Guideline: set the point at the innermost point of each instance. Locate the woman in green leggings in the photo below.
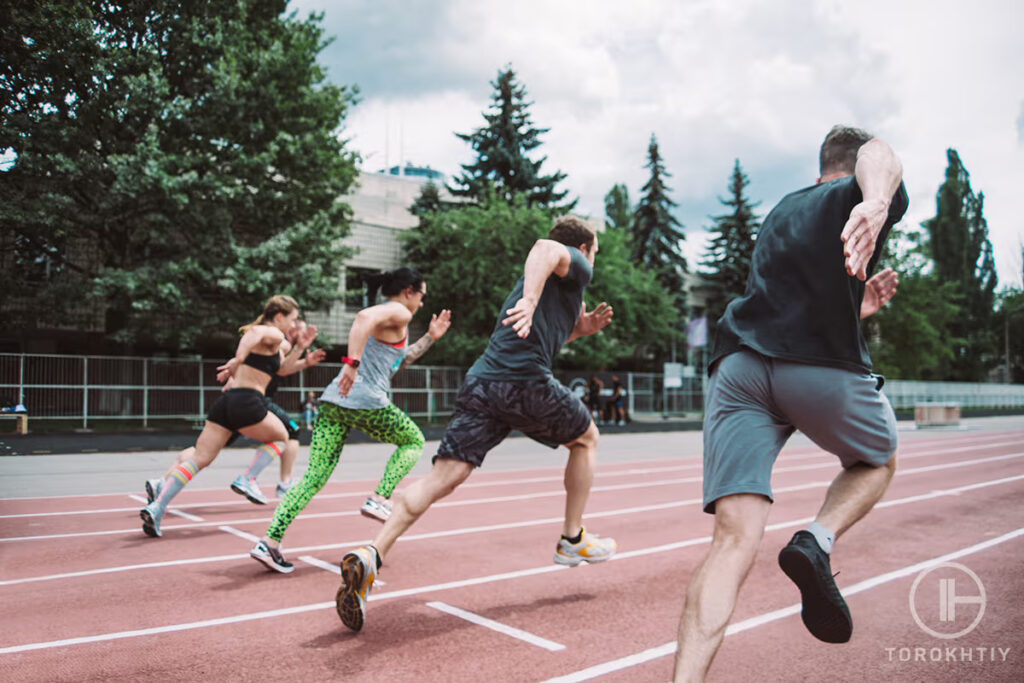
(378, 347)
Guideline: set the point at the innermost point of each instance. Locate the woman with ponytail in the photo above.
(378, 346)
(241, 408)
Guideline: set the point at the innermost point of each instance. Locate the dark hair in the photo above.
(279, 303)
(572, 231)
(839, 150)
(393, 282)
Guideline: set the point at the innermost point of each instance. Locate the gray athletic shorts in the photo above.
(487, 410)
(754, 404)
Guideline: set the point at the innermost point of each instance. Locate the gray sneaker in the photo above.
(153, 489)
(248, 488)
(151, 516)
(379, 510)
(271, 558)
(283, 487)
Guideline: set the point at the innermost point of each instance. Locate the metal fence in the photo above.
(88, 389)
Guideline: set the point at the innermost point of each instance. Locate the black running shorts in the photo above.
(289, 423)
(487, 410)
(238, 408)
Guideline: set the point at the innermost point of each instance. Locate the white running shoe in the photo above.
(379, 510)
(272, 558)
(248, 488)
(151, 516)
(591, 548)
(283, 487)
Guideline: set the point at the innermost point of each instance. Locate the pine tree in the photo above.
(617, 210)
(502, 150)
(428, 201)
(727, 258)
(962, 254)
(656, 233)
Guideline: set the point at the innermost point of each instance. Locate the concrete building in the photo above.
(380, 206)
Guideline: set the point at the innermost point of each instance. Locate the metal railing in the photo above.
(89, 389)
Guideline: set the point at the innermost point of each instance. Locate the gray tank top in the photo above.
(373, 381)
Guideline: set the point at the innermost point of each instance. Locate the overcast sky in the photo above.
(761, 81)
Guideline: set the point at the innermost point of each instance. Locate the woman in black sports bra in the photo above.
(240, 408)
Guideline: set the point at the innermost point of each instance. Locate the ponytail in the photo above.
(392, 283)
(279, 303)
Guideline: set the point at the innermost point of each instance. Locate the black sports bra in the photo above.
(269, 364)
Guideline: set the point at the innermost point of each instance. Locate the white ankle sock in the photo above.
(826, 539)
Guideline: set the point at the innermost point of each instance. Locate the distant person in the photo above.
(617, 403)
(594, 389)
(790, 354)
(511, 386)
(309, 409)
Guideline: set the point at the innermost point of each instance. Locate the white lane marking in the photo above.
(864, 585)
(170, 511)
(498, 626)
(241, 534)
(327, 566)
(607, 471)
(501, 499)
(747, 624)
(515, 525)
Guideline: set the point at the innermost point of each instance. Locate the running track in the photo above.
(471, 594)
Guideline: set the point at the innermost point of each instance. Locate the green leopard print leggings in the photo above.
(388, 425)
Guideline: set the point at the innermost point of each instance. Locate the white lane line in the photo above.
(515, 525)
(864, 585)
(326, 566)
(498, 626)
(170, 511)
(606, 471)
(747, 624)
(241, 534)
(502, 499)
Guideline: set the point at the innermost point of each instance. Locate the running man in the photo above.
(790, 355)
(379, 346)
(511, 387)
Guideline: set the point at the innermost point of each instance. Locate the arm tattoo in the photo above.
(418, 349)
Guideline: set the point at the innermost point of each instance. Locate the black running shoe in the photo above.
(825, 613)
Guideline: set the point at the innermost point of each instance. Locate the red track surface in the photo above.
(68, 619)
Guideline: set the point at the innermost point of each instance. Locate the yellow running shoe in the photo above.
(591, 548)
(358, 570)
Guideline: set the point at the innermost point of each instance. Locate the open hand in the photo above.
(315, 357)
(594, 321)
(347, 378)
(226, 371)
(860, 234)
(520, 317)
(878, 291)
(439, 324)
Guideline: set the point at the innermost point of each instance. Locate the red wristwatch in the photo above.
(354, 362)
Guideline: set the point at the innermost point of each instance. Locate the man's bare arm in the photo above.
(546, 258)
(878, 172)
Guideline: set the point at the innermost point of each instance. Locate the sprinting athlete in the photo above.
(240, 409)
(359, 398)
(511, 386)
(790, 355)
(292, 361)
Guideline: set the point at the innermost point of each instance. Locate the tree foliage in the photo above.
(962, 254)
(617, 211)
(473, 254)
(173, 164)
(728, 255)
(503, 166)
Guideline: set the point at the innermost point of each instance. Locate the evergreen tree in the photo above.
(172, 165)
(428, 201)
(618, 213)
(962, 254)
(727, 258)
(656, 233)
(502, 150)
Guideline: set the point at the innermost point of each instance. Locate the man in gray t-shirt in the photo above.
(511, 387)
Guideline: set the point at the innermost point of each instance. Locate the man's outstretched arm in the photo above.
(547, 257)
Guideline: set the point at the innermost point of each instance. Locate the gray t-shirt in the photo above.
(379, 362)
(510, 358)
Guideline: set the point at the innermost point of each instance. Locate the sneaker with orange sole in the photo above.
(591, 548)
(358, 570)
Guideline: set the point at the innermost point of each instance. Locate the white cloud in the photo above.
(757, 80)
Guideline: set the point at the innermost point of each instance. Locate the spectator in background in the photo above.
(309, 409)
(617, 412)
(594, 389)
